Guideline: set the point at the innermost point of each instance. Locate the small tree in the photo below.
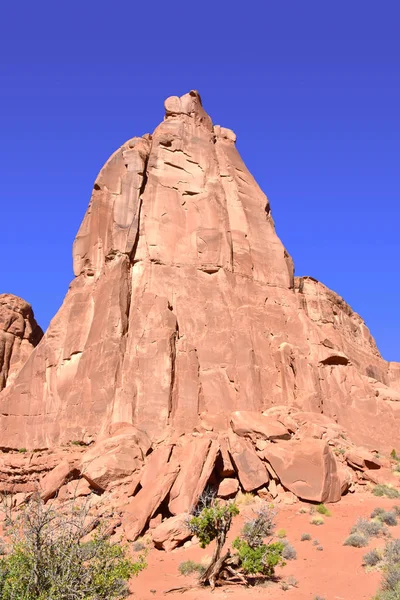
(47, 559)
(254, 556)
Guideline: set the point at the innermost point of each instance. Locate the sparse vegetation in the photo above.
(289, 551)
(372, 558)
(286, 584)
(317, 520)
(390, 584)
(245, 499)
(373, 528)
(254, 556)
(281, 533)
(385, 490)
(189, 566)
(323, 510)
(389, 518)
(356, 540)
(320, 548)
(47, 558)
(315, 543)
(22, 450)
(305, 537)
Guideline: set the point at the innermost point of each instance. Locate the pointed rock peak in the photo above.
(190, 105)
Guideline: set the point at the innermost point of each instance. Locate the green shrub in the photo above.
(385, 490)
(212, 520)
(356, 540)
(48, 560)
(261, 559)
(189, 566)
(305, 537)
(323, 510)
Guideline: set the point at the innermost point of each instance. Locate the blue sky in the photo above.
(312, 90)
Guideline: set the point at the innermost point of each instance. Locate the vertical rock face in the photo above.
(19, 334)
(184, 308)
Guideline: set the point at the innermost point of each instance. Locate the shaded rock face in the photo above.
(19, 334)
(185, 308)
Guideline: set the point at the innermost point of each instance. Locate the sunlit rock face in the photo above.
(185, 308)
(19, 335)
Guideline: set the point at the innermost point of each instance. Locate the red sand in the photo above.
(336, 573)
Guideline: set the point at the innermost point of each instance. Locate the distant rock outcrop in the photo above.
(186, 353)
(19, 334)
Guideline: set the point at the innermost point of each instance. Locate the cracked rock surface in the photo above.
(185, 307)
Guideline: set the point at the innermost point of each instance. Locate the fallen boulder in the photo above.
(307, 468)
(171, 532)
(228, 488)
(53, 481)
(111, 460)
(250, 470)
(254, 426)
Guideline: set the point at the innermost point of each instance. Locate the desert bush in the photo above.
(356, 540)
(317, 520)
(259, 560)
(305, 537)
(391, 577)
(315, 543)
(320, 548)
(261, 526)
(318, 598)
(253, 555)
(396, 510)
(189, 566)
(47, 559)
(289, 551)
(323, 510)
(372, 558)
(245, 499)
(385, 490)
(376, 512)
(368, 528)
(281, 533)
(392, 551)
(389, 518)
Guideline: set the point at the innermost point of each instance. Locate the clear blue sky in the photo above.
(311, 88)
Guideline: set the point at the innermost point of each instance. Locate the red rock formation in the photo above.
(184, 323)
(19, 334)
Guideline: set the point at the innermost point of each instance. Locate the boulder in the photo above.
(360, 458)
(228, 488)
(146, 502)
(171, 532)
(307, 468)
(53, 481)
(250, 470)
(197, 459)
(111, 460)
(255, 426)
